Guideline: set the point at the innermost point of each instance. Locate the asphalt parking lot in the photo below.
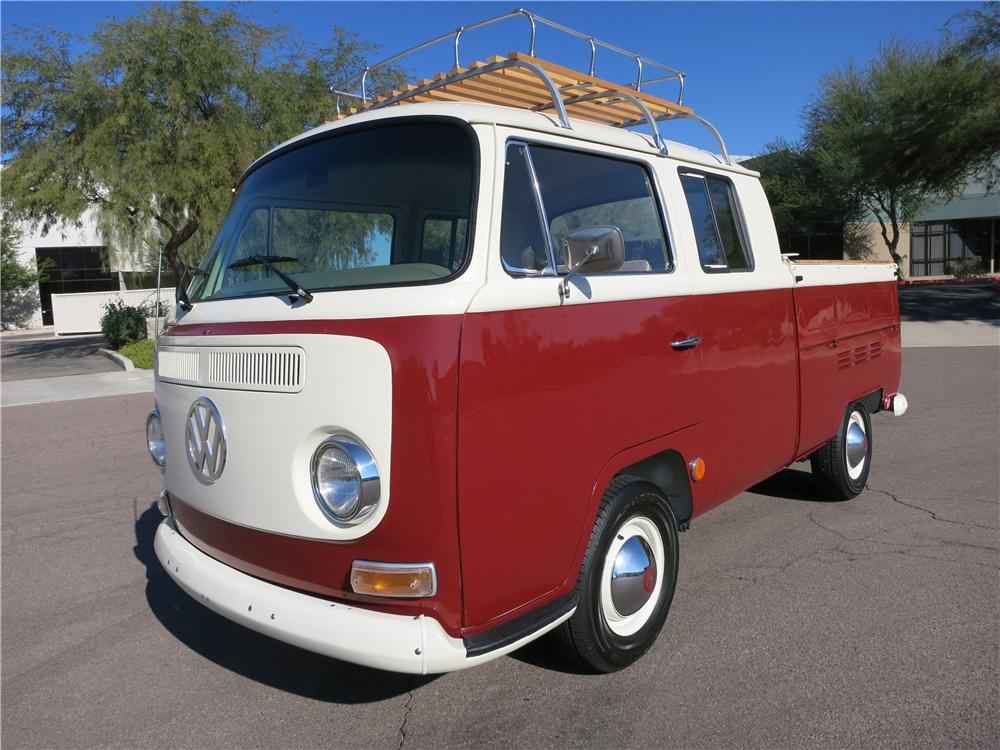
(796, 623)
(48, 356)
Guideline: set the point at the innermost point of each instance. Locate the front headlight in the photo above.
(345, 481)
(154, 439)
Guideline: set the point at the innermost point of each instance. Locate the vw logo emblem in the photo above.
(205, 436)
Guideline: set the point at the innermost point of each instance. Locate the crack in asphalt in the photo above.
(812, 517)
(931, 513)
(407, 710)
(758, 574)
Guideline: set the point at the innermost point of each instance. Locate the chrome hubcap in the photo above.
(633, 576)
(857, 445)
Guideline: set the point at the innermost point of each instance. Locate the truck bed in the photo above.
(847, 315)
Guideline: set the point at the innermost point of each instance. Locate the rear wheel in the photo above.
(841, 467)
(626, 581)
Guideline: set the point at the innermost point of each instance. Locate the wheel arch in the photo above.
(871, 399)
(667, 471)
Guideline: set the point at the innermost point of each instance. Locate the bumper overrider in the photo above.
(397, 643)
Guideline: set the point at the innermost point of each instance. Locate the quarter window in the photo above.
(523, 244)
(712, 205)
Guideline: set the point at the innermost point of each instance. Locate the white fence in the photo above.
(81, 313)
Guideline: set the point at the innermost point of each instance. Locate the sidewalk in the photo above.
(72, 387)
(949, 333)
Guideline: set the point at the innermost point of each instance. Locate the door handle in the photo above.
(689, 343)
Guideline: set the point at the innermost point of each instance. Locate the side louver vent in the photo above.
(859, 354)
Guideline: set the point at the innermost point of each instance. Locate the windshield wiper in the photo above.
(298, 290)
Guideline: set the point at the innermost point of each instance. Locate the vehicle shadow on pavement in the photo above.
(544, 654)
(251, 654)
(791, 484)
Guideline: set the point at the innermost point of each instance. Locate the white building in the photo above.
(78, 260)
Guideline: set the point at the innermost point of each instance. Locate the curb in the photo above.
(124, 362)
(934, 282)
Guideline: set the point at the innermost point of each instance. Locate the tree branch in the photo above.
(167, 224)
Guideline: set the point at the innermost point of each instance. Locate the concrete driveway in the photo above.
(796, 623)
(39, 369)
(959, 314)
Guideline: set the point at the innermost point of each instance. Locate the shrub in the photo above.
(122, 324)
(965, 269)
(140, 352)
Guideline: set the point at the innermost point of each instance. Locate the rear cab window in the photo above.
(549, 192)
(715, 218)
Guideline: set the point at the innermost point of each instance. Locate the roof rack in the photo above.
(525, 81)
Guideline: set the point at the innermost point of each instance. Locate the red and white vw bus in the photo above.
(455, 375)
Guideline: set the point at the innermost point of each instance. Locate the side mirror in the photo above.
(600, 248)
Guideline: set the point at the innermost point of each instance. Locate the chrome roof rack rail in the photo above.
(551, 86)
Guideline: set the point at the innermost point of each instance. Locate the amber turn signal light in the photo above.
(697, 468)
(407, 580)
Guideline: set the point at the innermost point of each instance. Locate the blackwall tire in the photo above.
(627, 579)
(840, 468)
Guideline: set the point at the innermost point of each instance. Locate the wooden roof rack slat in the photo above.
(528, 82)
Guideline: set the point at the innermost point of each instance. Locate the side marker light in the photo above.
(697, 468)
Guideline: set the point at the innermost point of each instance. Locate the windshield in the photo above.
(384, 206)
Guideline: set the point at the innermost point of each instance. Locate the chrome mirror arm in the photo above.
(575, 271)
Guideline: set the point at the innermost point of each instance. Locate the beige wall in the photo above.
(863, 241)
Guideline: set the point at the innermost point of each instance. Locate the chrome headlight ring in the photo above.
(155, 442)
(345, 480)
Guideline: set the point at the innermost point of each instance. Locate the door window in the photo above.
(568, 190)
(581, 190)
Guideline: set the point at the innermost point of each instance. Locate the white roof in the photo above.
(493, 114)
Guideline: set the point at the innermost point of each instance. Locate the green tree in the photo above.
(914, 123)
(806, 197)
(976, 31)
(18, 300)
(153, 125)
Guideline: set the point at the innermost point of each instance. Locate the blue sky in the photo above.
(751, 66)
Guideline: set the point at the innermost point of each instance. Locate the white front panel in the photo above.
(271, 436)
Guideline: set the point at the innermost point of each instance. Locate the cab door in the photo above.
(553, 387)
(744, 309)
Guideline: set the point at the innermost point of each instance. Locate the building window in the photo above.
(938, 248)
(72, 269)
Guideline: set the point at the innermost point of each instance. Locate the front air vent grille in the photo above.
(177, 365)
(255, 369)
(280, 369)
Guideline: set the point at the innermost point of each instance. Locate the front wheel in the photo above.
(841, 467)
(626, 581)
